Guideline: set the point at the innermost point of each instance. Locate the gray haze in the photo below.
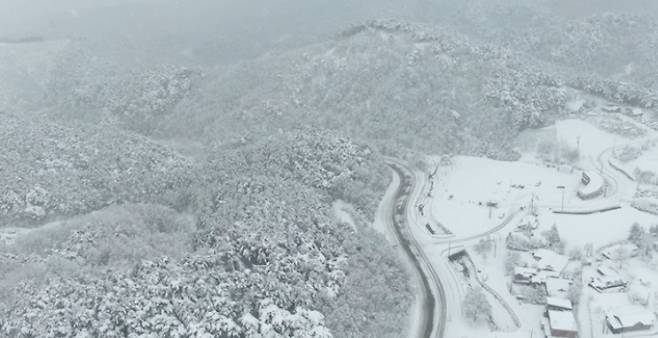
(227, 30)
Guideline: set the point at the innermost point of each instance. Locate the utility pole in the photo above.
(495, 246)
(561, 187)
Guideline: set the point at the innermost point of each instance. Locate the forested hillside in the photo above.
(377, 82)
(250, 247)
(51, 171)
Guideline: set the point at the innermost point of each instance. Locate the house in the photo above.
(560, 324)
(607, 284)
(524, 275)
(629, 320)
(609, 280)
(532, 276)
(558, 287)
(592, 185)
(558, 304)
(550, 260)
(625, 250)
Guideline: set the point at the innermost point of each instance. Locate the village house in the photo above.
(627, 249)
(560, 324)
(558, 287)
(606, 285)
(592, 186)
(628, 320)
(524, 275)
(609, 280)
(532, 276)
(558, 304)
(550, 260)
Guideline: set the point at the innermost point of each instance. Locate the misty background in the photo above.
(226, 31)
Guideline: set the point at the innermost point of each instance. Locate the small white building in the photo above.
(626, 249)
(592, 185)
(629, 319)
(524, 275)
(558, 287)
(532, 276)
(550, 260)
(558, 304)
(560, 324)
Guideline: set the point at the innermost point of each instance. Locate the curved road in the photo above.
(433, 308)
(511, 215)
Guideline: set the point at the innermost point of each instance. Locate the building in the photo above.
(606, 285)
(558, 287)
(558, 304)
(524, 275)
(550, 260)
(629, 320)
(560, 324)
(625, 250)
(608, 280)
(592, 185)
(532, 276)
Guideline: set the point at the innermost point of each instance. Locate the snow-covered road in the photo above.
(428, 316)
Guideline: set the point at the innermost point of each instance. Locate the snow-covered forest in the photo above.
(223, 168)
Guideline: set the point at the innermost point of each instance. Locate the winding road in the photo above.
(433, 310)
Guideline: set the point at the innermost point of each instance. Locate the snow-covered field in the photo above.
(464, 189)
(472, 197)
(646, 158)
(597, 229)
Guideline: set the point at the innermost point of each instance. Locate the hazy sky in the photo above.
(221, 30)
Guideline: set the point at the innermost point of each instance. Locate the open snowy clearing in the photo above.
(597, 229)
(475, 194)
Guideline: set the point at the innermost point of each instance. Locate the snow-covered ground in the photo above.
(646, 157)
(464, 189)
(472, 198)
(597, 229)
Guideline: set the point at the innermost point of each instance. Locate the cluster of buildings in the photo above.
(620, 319)
(548, 272)
(559, 320)
(545, 271)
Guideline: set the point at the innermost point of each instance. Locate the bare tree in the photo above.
(476, 306)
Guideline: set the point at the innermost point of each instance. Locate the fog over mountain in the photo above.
(289, 168)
